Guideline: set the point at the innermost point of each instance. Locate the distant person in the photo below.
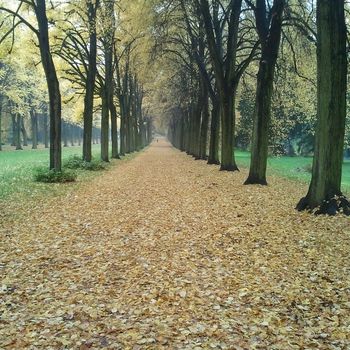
(157, 140)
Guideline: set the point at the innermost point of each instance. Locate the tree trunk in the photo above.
(46, 130)
(90, 83)
(204, 124)
(71, 134)
(227, 110)
(14, 129)
(52, 85)
(18, 132)
(127, 125)
(325, 187)
(109, 82)
(34, 122)
(115, 148)
(65, 133)
(104, 127)
(262, 114)
(214, 134)
(197, 116)
(24, 133)
(122, 126)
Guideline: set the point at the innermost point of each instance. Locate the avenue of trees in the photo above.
(246, 61)
(268, 76)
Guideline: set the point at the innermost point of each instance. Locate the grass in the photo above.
(17, 169)
(294, 168)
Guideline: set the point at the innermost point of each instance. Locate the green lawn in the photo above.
(16, 170)
(292, 167)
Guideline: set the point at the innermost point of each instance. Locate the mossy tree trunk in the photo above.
(325, 187)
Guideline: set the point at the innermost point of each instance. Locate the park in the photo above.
(174, 174)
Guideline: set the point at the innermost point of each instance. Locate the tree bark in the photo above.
(325, 187)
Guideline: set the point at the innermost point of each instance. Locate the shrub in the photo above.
(94, 165)
(52, 176)
(75, 162)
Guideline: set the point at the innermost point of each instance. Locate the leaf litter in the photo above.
(164, 252)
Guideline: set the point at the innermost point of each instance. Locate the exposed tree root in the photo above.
(213, 161)
(336, 204)
(228, 168)
(254, 180)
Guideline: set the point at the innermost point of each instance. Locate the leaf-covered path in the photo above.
(164, 252)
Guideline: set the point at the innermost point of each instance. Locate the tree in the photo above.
(90, 80)
(325, 188)
(77, 47)
(227, 71)
(269, 27)
(42, 34)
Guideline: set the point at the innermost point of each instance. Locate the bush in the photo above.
(52, 176)
(75, 162)
(94, 165)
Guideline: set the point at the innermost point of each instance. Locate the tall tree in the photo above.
(90, 79)
(227, 71)
(108, 29)
(42, 34)
(269, 27)
(325, 187)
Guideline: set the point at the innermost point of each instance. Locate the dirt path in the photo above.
(164, 252)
